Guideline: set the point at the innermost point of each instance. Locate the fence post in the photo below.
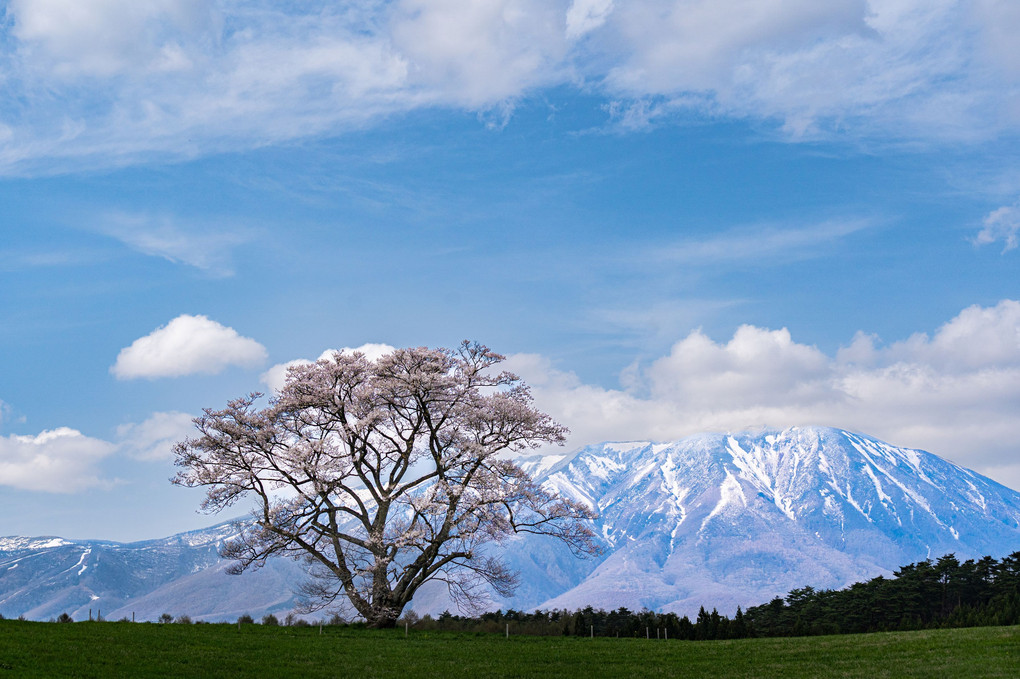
(508, 630)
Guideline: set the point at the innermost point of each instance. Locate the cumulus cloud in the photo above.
(276, 377)
(110, 81)
(153, 439)
(955, 392)
(63, 460)
(59, 460)
(1001, 225)
(978, 338)
(752, 368)
(187, 345)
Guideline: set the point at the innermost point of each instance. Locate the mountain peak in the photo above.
(808, 505)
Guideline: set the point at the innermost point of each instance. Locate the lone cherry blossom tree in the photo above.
(384, 475)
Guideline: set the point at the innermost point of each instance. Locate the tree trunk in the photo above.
(383, 622)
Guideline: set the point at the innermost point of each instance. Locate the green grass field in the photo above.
(109, 649)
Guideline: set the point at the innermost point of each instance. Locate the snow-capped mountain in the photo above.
(41, 578)
(736, 519)
(717, 520)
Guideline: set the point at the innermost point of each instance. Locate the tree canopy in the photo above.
(385, 475)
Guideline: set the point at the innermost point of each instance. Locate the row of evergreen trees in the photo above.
(941, 593)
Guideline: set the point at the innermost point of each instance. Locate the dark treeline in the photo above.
(943, 593)
(621, 622)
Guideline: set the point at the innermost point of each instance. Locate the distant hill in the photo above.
(41, 578)
(716, 519)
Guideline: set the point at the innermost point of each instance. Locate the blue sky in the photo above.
(673, 216)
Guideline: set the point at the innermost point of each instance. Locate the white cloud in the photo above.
(276, 377)
(584, 16)
(59, 460)
(756, 366)
(955, 393)
(901, 69)
(108, 37)
(205, 248)
(999, 22)
(480, 52)
(109, 82)
(184, 346)
(63, 460)
(1001, 225)
(154, 438)
(678, 45)
(978, 338)
(373, 351)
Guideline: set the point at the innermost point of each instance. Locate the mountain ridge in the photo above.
(721, 520)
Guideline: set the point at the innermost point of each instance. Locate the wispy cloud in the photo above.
(206, 248)
(107, 82)
(22, 259)
(584, 16)
(1003, 225)
(153, 439)
(759, 243)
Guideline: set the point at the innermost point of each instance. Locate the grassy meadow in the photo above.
(121, 649)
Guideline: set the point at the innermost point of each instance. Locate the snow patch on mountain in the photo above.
(13, 544)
